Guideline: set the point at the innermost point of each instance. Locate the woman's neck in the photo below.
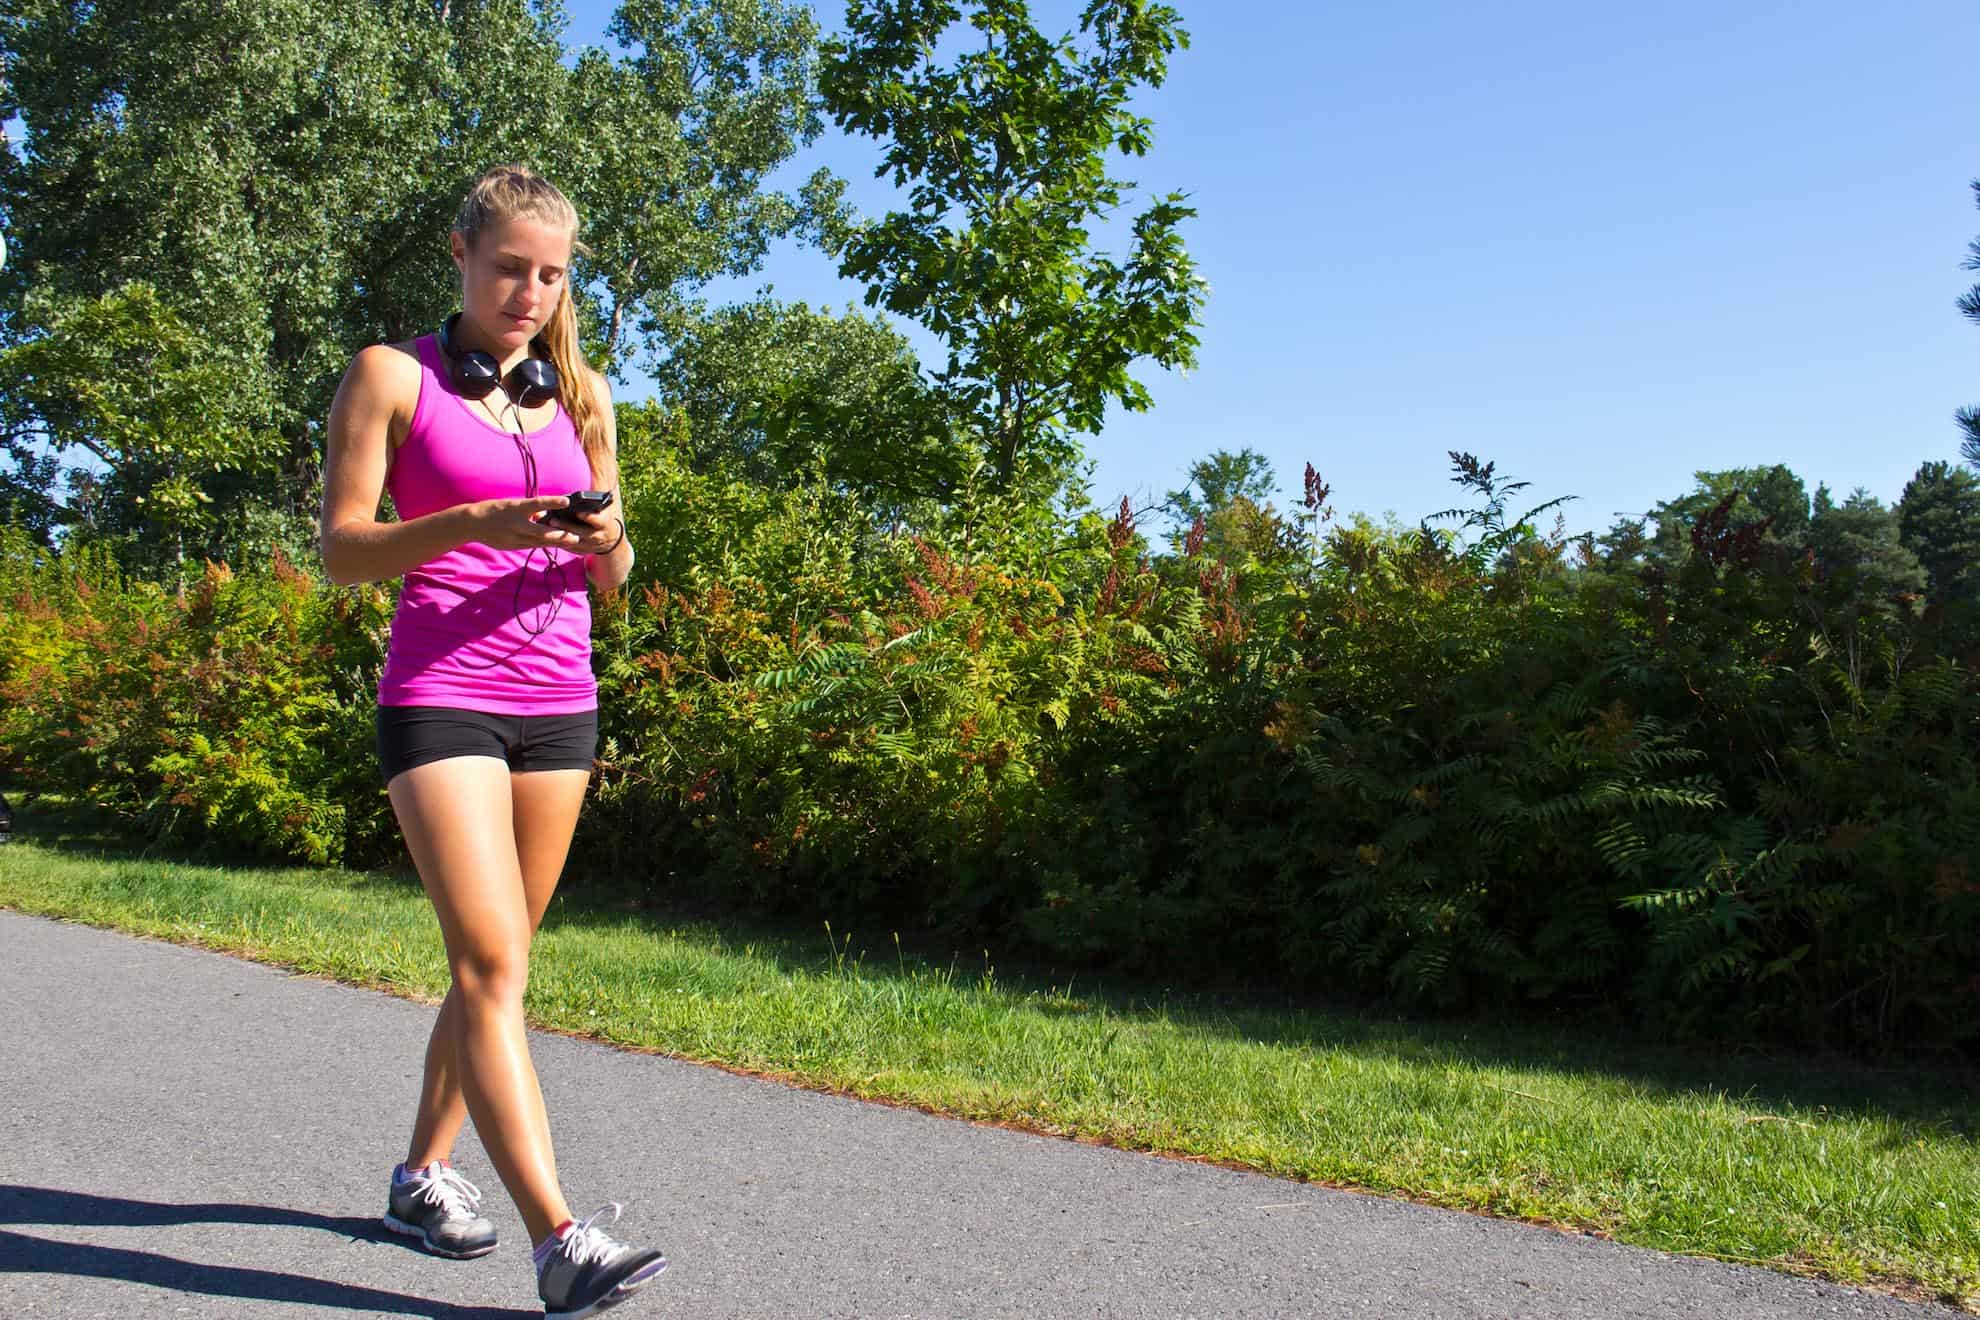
(468, 339)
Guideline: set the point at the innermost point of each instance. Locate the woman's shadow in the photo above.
(21, 1253)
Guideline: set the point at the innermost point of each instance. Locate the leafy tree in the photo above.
(1969, 303)
(1939, 521)
(772, 393)
(1766, 493)
(1223, 509)
(130, 385)
(1005, 150)
(672, 146)
(282, 173)
(1859, 538)
(1215, 482)
(1622, 547)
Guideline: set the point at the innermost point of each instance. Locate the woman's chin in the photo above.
(508, 332)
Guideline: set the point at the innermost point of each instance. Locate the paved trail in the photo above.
(186, 1134)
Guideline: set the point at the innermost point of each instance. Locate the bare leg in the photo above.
(458, 817)
(442, 1107)
(545, 811)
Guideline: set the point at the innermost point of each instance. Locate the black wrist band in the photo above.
(616, 544)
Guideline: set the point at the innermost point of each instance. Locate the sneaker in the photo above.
(586, 1271)
(440, 1208)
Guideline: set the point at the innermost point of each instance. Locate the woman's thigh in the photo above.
(458, 817)
(547, 803)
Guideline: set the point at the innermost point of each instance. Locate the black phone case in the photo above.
(567, 514)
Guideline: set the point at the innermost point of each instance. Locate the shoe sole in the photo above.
(400, 1226)
(621, 1292)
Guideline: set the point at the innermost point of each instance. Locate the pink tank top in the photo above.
(502, 631)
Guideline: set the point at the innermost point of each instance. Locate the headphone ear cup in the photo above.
(533, 381)
(473, 374)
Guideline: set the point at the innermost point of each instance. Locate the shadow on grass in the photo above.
(1926, 1097)
(84, 829)
(1930, 1095)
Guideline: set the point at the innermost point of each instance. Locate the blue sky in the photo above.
(1604, 246)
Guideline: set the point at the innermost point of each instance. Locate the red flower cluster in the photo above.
(1317, 492)
(1121, 530)
(924, 599)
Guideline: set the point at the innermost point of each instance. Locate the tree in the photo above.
(773, 392)
(1969, 304)
(1859, 539)
(1005, 149)
(1219, 480)
(1939, 522)
(1622, 547)
(1772, 493)
(131, 386)
(679, 139)
(281, 174)
(1223, 509)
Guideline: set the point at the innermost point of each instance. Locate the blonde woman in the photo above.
(487, 708)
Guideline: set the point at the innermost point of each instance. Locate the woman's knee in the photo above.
(488, 975)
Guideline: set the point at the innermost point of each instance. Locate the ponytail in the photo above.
(560, 341)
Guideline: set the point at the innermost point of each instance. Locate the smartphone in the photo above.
(582, 501)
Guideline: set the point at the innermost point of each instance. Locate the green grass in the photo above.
(1858, 1175)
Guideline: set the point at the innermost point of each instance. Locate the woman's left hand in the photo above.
(597, 533)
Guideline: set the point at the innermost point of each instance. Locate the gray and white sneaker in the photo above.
(441, 1209)
(587, 1271)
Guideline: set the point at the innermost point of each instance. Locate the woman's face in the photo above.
(512, 278)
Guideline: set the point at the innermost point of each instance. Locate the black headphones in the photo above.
(475, 374)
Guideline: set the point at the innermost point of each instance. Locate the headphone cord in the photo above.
(555, 581)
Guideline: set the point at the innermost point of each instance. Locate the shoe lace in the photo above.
(451, 1192)
(586, 1242)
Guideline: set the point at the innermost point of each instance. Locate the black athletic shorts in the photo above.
(413, 735)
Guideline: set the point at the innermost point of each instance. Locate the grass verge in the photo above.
(1857, 1175)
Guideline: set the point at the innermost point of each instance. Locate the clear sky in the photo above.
(1605, 246)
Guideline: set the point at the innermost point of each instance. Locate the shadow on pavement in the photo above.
(21, 1253)
(50, 1205)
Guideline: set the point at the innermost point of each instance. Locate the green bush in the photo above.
(238, 710)
(1731, 794)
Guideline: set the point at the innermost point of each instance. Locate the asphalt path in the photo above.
(187, 1134)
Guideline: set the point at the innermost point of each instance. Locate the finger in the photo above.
(536, 531)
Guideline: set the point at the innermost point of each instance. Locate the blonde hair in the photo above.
(502, 193)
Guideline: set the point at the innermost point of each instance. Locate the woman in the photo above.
(487, 708)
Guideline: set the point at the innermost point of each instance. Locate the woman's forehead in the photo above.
(543, 243)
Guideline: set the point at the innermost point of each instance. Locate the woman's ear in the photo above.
(458, 246)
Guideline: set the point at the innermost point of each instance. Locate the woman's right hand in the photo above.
(512, 524)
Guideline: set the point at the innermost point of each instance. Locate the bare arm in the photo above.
(377, 396)
(610, 570)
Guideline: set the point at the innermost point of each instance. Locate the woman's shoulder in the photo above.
(387, 362)
(387, 365)
(386, 378)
